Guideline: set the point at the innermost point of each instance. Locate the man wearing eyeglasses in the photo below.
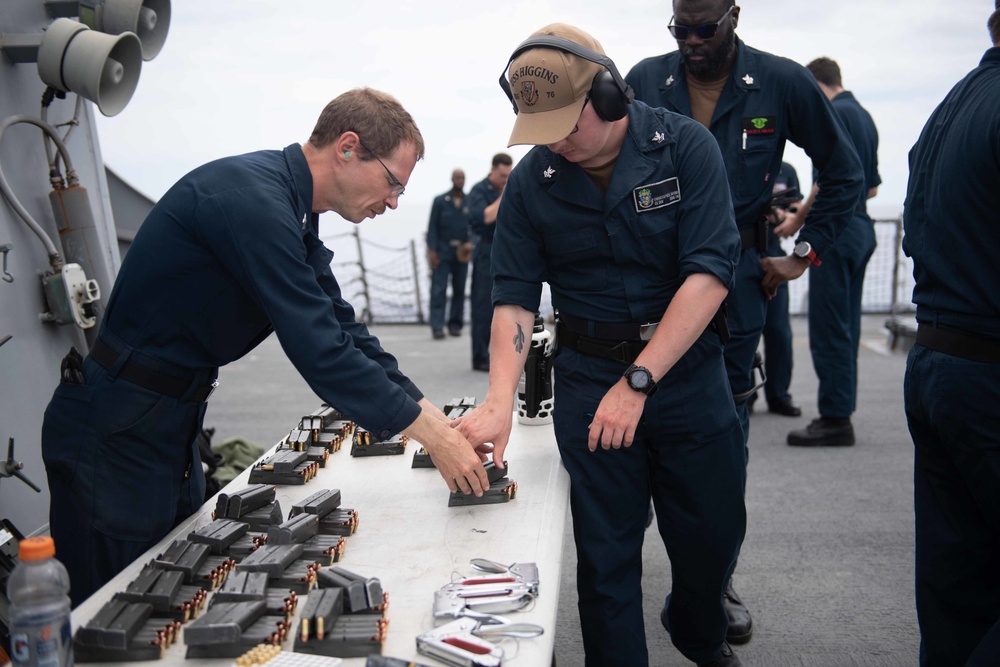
(624, 211)
(753, 102)
(229, 254)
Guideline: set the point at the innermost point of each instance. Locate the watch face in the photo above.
(639, 378)
(802, 249)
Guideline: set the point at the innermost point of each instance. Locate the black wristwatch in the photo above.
(640, 379)
(804, 250)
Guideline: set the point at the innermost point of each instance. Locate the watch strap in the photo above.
(811, 255)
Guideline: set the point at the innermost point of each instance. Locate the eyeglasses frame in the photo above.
(398, 188)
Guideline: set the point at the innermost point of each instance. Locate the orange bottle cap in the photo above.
(36, 548)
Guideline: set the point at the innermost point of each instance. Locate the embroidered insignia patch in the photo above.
(656, 195)
(760, 125)
(529, 93)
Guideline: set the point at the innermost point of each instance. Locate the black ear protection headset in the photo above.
(609, 94)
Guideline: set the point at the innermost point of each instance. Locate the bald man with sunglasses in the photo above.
(753, 102)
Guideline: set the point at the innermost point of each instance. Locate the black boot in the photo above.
(784, 408)
(726, 658)
(740, 624)
(824, 432)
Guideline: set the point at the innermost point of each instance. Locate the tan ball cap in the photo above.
(550, 87)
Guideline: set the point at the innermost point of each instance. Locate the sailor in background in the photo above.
(448, 254)
(777, 332)
(836, 287)
(484, 201)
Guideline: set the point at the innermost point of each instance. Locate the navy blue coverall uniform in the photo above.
(230, 253)
(777, 332)
(618, 258)
(766, 101)
(481, 195)
(835, 287)
(952, 385)
(447, 231)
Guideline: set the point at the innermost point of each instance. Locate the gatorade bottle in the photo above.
(38, 589)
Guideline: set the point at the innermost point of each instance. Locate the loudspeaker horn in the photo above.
(149, 19)
(102, 68)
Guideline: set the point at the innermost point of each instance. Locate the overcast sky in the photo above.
(237, 76)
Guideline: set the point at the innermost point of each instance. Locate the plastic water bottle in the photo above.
(38, 589)
(534, 390)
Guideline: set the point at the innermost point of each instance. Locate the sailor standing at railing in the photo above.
(448, 253)
(484, 201)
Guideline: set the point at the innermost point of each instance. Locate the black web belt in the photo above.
(958, 344)
(618, 342)
(161, 383)
(755, 236)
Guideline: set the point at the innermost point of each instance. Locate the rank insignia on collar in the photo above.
(658, 137)
(305, 220)
(549, 172)
(747, 79)
(670, 80)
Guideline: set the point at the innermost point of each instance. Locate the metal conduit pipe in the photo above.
(55, 257)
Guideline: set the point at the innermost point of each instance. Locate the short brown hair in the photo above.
(377, 117)
(826, 71)
(502, 158)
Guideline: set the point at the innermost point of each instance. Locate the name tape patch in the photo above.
(760, 125)
(657, 195)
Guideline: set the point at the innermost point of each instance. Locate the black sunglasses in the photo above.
(703, 31)
(397, 187)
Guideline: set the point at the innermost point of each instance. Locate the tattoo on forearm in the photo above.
(519, 339)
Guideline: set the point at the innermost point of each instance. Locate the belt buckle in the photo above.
(620, 352)
(646, 331)
(215, 385)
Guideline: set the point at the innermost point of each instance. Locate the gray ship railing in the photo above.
(392, 284)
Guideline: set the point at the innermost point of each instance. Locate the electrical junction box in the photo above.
(68, 295)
